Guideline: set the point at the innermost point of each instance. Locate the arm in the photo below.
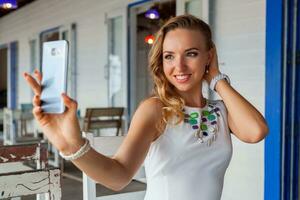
(63, 131)
(117, 172)
(244, 119)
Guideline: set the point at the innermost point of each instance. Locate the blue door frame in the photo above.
(282, 100)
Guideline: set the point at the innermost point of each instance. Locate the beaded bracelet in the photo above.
(83, 150)
(218, 77)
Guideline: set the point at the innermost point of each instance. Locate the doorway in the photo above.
(3, 77)
(291, 101)
(3, 81)
(145, 19)
(282, 146)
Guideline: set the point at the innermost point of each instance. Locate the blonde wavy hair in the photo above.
(172, 102)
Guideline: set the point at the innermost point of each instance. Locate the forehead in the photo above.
(181, 39)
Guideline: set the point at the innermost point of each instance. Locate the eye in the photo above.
(192, 54)
(168, 57)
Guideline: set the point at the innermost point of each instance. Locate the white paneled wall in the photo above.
(239, 32)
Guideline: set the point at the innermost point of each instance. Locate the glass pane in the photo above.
(47, 36)
(50, 36)
(116, 90)
(194, 7)
(145, 30)
(33, 56)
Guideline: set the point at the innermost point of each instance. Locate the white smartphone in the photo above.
(54, 70)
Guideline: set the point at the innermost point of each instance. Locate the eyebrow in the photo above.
(193, 48)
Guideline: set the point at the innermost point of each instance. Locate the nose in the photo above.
(180, 63)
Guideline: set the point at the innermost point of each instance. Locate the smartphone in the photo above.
(54, 70)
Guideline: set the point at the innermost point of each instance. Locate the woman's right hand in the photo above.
(62, 130)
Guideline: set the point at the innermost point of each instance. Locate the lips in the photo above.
(181, 78)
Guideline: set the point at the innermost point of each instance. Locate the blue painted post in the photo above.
(273, 111)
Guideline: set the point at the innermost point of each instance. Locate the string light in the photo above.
(149, 39)
(8, 4)
(152, 14)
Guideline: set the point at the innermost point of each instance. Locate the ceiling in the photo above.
(21, 3)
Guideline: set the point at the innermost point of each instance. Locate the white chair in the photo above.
(108, 145)
(17, 179)
(11, 121)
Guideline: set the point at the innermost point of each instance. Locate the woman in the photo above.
(183, 138)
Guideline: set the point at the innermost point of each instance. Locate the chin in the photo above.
(183, 88)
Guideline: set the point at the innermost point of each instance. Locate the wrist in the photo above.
(79, 153)
(219, 84)
(211, 75)
(219, 77)
(73, 147)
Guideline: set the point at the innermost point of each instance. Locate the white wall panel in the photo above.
(239, 32)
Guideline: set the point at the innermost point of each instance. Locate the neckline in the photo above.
(197, 108)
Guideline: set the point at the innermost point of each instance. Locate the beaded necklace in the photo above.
(205, 126)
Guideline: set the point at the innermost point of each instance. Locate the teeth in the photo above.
(182, 77)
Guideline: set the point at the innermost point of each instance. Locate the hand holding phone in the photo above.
(60, 126)
(54, 70)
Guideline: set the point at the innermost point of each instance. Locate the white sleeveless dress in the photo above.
(183, 165)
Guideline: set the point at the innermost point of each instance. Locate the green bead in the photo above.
(203, 127)
(193, 121)
(205, 112)
(194, 115)
(211, 117)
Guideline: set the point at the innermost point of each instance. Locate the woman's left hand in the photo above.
(213, 68)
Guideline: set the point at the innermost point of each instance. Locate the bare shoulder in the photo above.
(150, 109)
(148, 115)
(153, 106)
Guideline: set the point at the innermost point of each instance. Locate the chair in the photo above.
(95, 119)
(99, 118)
(10, 126)
(26, 115)
(17, 179)
(11, 136)
(108, 145)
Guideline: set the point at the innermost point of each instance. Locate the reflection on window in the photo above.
(50, 36)
(33, 55)
(115, 76)
(115, 89)
(33, 58)
(46, 36)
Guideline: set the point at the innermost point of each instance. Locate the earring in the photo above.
(206, 68)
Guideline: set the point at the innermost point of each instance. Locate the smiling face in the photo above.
(185, 55)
